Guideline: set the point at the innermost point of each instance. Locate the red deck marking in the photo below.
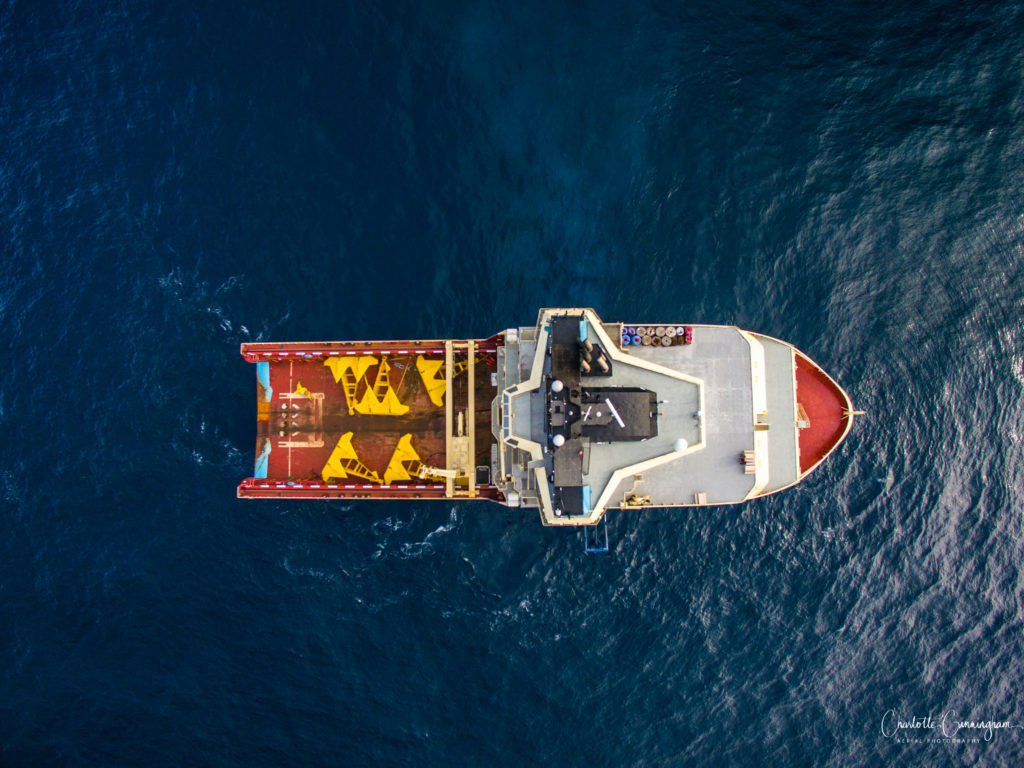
(824, 403)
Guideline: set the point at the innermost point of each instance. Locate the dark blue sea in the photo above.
(177, 178)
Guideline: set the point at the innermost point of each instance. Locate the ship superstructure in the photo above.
(572, 416)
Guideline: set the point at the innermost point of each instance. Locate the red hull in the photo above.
(827, 409)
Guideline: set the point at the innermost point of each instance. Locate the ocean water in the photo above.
(178, 178)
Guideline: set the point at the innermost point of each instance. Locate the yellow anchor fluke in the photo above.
(344, 462)
(390, 405)
(357, 365)
(349, 371)
(379, 398)
(429, 370)
(335, 469)
(404, 460)
(368, 404)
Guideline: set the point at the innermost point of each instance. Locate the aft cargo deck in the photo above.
(405, 419)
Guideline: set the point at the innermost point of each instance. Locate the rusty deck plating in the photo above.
(406, 419)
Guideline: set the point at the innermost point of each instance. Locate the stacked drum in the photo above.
(656, 335)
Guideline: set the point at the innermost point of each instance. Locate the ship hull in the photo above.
(573, 417)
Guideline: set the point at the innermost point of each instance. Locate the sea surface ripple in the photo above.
(178, 178)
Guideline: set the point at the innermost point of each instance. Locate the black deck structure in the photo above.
(578, 415)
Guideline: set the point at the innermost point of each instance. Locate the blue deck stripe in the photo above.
(263, 377)
(263, 461)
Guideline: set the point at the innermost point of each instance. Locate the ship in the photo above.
(572, 417)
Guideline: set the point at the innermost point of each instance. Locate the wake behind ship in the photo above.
(572, 416)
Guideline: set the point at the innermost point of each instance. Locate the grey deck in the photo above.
(782, 438)
(678, 403)
(721, 357)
